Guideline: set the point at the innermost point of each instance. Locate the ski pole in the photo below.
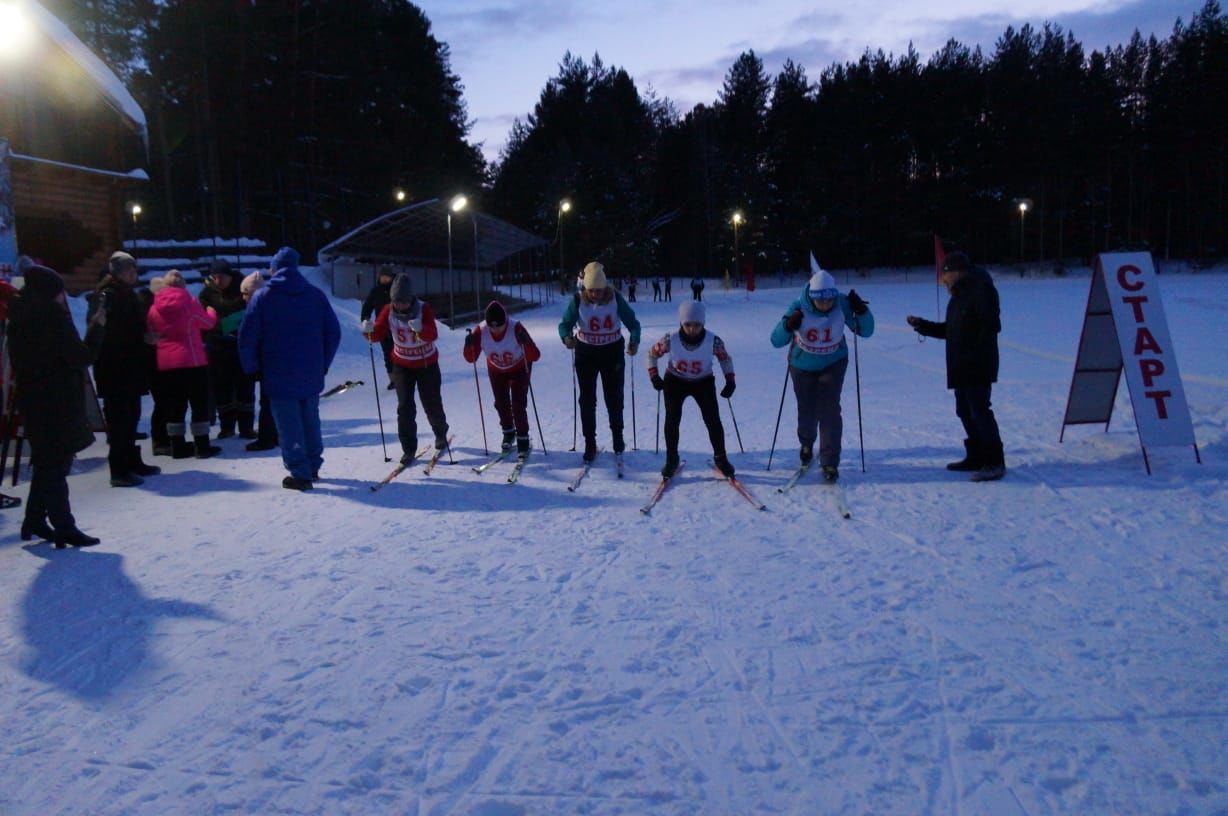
(478, 389)
(378, 411)
(734, 417)
(634, 445)
(658, 448)
(573, 399)
(533, 399)
(857, 376)
(780, 410)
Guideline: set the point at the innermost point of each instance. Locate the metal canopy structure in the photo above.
(417, 235)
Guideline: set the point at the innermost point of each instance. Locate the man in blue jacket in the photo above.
(813, 328)
(289, 337)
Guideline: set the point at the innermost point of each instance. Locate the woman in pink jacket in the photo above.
(178, 321)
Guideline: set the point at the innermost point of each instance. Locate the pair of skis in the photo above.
(733, 482)
(842, 506)
(426, 470)
(514, 476)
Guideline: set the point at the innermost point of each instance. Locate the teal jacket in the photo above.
(863, 325)
(571, 315)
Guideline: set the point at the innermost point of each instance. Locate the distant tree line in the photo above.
(296, 120)
(1124, 148)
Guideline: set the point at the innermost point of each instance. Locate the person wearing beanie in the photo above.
(289, 336)
(592, 326)
(973, 322)
(379, 297)
(123, 367)
(266, 433)
(411, 325)
(690, 373)
(234, 393)
(510, 355)
(49, 362)
(813, 329)
(178, 321)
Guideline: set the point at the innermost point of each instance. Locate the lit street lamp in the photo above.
(737, 220)
(564, 207)
(1024, 205)
(135, 209)
(455, 205)
(16, 32)
(399, 195)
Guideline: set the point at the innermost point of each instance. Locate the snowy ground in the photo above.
(1053, 643)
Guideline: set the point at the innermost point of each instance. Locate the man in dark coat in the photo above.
(379, 297)
(234, 393)
(50, 362)
(121, 371)
(289, 337)
(971, 330)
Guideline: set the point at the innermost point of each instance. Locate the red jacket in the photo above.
(413, 336)
(178, 320)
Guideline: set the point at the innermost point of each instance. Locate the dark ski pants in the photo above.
(122, 414)
(157, 418)
(818, 409)
(298, 430)
(385, 345)
(48, 497)
(656, 291)
(973, 408)
(606, 361)
(184, 387)
(511, 390)
(234, 393)
(704, 391)
(428, 381)
(697, 293)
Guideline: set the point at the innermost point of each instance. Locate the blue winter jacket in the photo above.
(289, 336)
(863, 325)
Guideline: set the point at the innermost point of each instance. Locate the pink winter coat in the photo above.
(178, 319)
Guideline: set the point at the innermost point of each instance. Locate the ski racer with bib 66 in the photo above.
(691, 351)
(592, 325)
(411, 324)
(510, 354)
(813, 328)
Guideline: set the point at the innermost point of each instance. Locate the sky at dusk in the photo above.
(505, 50)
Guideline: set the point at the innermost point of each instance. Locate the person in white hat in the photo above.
(592, 325)
(813, 328)
(690, 373)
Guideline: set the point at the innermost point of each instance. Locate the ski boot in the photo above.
(723, 465)
(806, 454)
(590, 448)
(830, 474)
(671, 465)
(509, 439)
(522, 447)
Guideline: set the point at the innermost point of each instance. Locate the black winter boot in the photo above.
(247, 425)
(993, 466)
(226, 424)
(522, 446)
(723, 465)
(509, 438)
(671, 464)
(971, 460)
(203, 449)
(137, 466)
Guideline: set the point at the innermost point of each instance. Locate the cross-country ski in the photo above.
(435, 457)
(737, 485)
(574, 484)
(662, 486)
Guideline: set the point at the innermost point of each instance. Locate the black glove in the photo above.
(856, 303)
(729, 388)
(657, 382)
(793, 320)
(471, 340)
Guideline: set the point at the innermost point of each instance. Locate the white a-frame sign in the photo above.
(1125, 328)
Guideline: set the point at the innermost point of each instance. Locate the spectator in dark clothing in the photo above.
(971, 329)
(50, 362)
(266, 433)
(697, 288)
(234, 393)
(379, 297)
(121, 372)
(7, 292)
(289, 336)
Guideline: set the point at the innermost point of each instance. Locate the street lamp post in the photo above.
(564, 207)
(737, 220)
(1024, 205)
(135, 209)
(455, 205)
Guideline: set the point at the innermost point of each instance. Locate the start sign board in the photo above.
(1124, 328)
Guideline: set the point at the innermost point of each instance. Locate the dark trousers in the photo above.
(386, 346)
(234, 393)
(48, 497)
(697, 293)
(656, 291)
(184, 387)
(511, 389)
(266, 433)
(427, 381)
(157, 417)
(704, 391)
(122, 414)
(818, 409)
(606, 361)
(973, 408)
(669, 291)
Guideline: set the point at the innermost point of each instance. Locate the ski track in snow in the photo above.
(1053, 643)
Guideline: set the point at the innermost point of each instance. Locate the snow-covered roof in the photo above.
(110, 85)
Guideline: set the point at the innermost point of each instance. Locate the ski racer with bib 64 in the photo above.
(592, 325)
(813, 328)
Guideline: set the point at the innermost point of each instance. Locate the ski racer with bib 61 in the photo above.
(592, 325)
(689, 374)
(813, 328)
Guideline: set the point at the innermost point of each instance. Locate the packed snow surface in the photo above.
(1056, 642)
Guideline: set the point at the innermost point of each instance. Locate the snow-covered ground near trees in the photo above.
(1053, 643)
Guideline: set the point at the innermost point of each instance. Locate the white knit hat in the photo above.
(823, 286)
(692, 311)
(594, 277)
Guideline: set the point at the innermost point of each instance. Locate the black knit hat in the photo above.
(496, 315)
(220, 266)
(43, 281)
(956, 262)
(401, 291)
